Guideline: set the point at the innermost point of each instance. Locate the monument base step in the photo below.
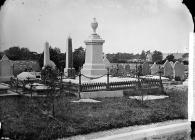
(101, 94)
(93, 72)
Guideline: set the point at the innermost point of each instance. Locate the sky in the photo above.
(126, 25)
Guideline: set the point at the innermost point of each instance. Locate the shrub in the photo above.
(177, 78)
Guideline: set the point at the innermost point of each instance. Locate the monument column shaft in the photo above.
(46, 54)
(69, 71)
(69, 57)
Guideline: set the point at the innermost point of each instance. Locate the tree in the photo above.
(17, 53)
(170, 57)
(13, 53)
(56, 56)
(157, 56)
(148, 52)
(49, 77)
(78, 58)
(1, 55)
(185, 55)
(143, 55)
(25, 53)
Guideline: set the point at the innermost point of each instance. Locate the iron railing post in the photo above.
(79, 90)
(107, 86)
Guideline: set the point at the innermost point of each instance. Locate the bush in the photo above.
(177, 78)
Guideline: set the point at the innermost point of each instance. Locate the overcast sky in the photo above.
(125, 25)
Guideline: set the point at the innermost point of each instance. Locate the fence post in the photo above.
(60, 82)
(79, 90)
(107, 86)
(31, 90)
(16, 85)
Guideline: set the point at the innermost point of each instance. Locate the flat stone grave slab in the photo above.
(86, 101)
(148, 97)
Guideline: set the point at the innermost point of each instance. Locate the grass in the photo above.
(23, 119)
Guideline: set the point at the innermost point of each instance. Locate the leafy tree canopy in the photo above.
(170, 58)
(78, 58)
(157, 56)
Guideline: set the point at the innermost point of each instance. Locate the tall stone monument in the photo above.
(69, 71)
(47, 61)
(6, 69)
(94, 65)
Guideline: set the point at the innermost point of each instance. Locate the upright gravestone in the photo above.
(168, 69)
(145, 68)
(69, 71)
(106, 62)
(154, 69)
(6, 69)
(172, 64)
(179, 69)
(121, 70)
(113, 71)
(127, 69)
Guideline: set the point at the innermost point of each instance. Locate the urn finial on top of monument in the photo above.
(94, 25)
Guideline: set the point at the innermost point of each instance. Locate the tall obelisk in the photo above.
(46, 54)
(94, 65)
(69, 71)
(47, 61)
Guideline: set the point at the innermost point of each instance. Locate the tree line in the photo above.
(59, 58)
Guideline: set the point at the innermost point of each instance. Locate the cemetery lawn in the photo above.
(24, 118)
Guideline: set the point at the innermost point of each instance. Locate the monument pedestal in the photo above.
(93, 72)
(69, 72)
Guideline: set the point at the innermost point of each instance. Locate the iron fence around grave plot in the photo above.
(143, 83)
(71, 87)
